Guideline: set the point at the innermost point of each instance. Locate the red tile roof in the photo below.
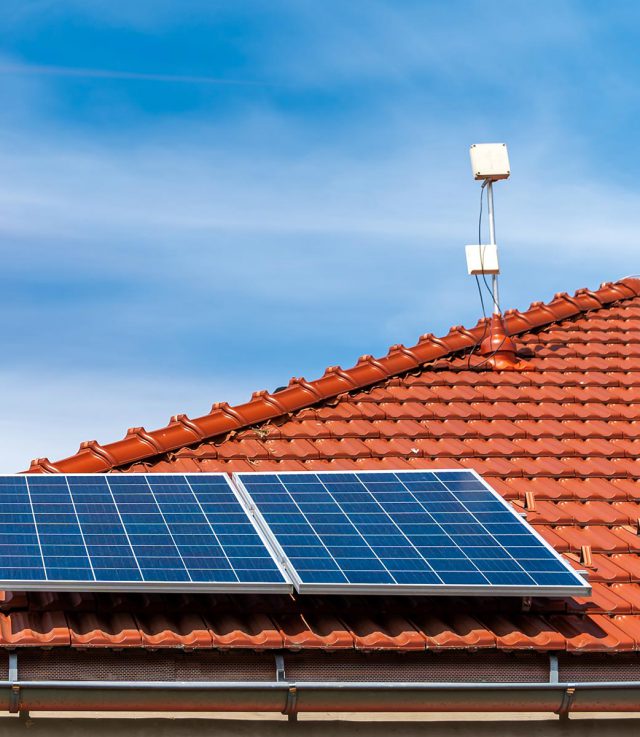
(558, 437)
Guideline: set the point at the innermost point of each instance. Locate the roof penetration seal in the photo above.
(498, 349)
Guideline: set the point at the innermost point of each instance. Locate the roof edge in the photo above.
(140, 444)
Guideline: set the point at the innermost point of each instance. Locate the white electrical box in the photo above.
(490, 161)
(482, 259)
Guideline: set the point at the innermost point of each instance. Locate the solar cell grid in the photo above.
(369, 532)
(407, 531)
(131, 531)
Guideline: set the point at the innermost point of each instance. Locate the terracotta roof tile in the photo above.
(92, 629)
(559, 438)
(235, 629)
(458, 631)
(603, 599)
(524, 632)
(308, 631)
(553, 537)
(550, 513)
(630, 625)
(591, 488)
(629, 512)
(382, 447)
(601, 539)
(343, 448)
(394, 633)
(605, 568)
(187, 632)
(630, 593)
(368, 371)
(595, 632)
(629, 537)
(45, 629)
(628, 563)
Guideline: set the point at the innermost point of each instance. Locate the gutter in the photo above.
(292, 697)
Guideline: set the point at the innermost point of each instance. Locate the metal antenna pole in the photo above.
(492, 241)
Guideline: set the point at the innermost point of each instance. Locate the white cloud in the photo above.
(261, 239)
(63, 189)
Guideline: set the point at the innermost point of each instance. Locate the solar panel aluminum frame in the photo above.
(286, 587)
(581, 588)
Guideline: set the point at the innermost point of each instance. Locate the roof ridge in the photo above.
(139, 444)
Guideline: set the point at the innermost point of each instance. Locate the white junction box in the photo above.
(482, 259)
(490, 161)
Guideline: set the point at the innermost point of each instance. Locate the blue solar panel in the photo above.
(131, 531)
(403, 532)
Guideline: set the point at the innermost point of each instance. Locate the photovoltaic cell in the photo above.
(370, 532)
(403, 532)
(131, 531)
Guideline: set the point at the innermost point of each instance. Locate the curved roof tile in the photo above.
(557, 438)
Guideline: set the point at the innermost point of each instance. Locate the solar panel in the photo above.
(438, 532)
(124, 532)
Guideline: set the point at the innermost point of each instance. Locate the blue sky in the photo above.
(199, 199)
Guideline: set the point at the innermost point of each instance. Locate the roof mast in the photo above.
(492, 242)
(489, 163)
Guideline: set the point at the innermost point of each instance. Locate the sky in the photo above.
(201, 199)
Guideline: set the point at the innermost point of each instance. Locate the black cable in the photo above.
(491, 292)
(484, 312)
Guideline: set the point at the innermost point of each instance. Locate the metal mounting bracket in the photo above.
(567, 700)
(281, 675)
(290, 706)
(14, 696)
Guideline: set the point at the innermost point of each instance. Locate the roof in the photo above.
(558, 438)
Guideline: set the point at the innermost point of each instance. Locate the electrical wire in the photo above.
(488, 322)
(484, 312)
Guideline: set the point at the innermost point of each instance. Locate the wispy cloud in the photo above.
(202, 188)
(166, 245)
(80, 73)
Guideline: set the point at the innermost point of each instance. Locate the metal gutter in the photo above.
(291, 697)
